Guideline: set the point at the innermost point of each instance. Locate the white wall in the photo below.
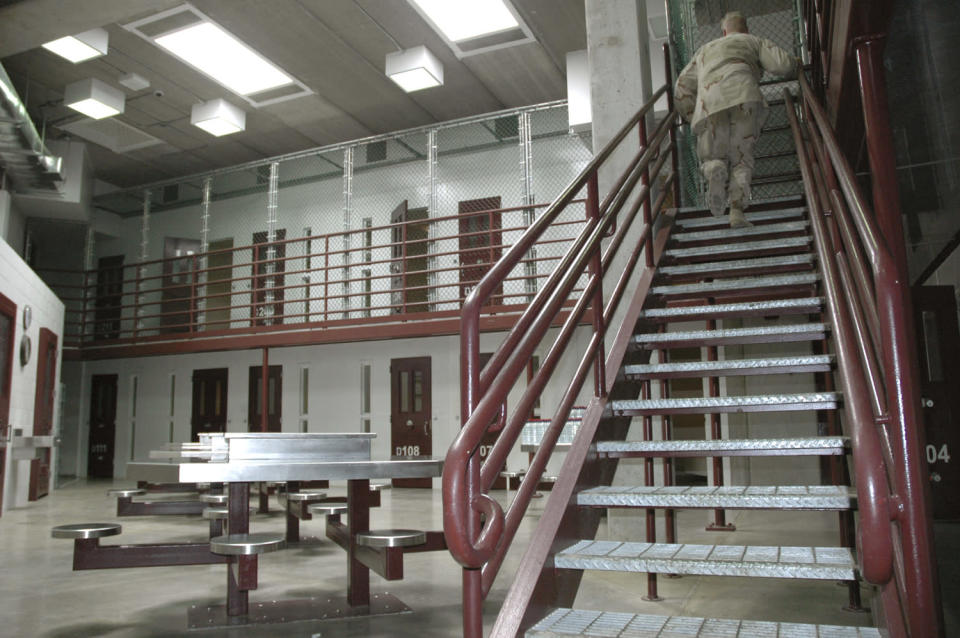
(334, 399)
(23, 287)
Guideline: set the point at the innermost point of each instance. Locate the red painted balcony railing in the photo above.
(868, 299)
(612, 243)
(369, 276)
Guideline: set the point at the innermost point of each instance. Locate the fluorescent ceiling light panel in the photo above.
(414, 69)
(80, 47)
(218, 117)
(227, 60)
(464, 20)
(134, 81)
(94, 98)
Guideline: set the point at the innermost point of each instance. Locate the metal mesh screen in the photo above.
(693, 23)
(406, 223)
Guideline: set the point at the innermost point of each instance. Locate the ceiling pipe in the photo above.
(24, 157)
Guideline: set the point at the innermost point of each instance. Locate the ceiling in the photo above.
(336, 47)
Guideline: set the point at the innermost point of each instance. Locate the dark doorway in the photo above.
(411, 430)
(486, 443)
(409, 238)
(268, 268)
(480, 244)
(103, 425)
(274, 394)
(219, 273)
(209, 410)
(43, 412)
(8, 329)
(938, 343)
(107, 307)
(178, 303)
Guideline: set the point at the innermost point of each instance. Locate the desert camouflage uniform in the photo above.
(719, 92)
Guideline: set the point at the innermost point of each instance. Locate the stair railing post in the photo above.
(645, 183)
(596, 270)
(925, 614)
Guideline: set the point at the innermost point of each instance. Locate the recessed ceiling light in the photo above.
(465, 20)
(80, 47)
(218, 54)
(414, 69)
(218, 117)
(94, 98)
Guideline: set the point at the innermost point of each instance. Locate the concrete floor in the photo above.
(41, 596)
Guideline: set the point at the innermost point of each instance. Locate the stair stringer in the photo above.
(538, 587)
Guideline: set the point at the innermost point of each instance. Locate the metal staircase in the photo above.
(643, 280)
(707, 288)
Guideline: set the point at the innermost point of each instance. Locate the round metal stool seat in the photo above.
(216, 513)
(327, 509)
(247, 544)
(213, 498)
(85, 530)
(305, 496)
(392, 538)
(127, 492)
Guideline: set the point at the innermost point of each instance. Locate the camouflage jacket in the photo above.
(725, 72)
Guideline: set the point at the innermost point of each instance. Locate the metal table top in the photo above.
(255, 471)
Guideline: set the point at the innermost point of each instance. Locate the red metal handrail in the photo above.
(867, 291)
(480, 545)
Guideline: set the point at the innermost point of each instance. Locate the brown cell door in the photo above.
(938, 343)
(263, 313)
(486, 443)
(178, 303)
(209, 409)
(219, 298)
(480, 244)
(8, 325)
(255, 401)
(103, 425)
(411, 431)
(410, 243)
(109, 298)
(43, 412)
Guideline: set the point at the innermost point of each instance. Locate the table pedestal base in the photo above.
(286, 611)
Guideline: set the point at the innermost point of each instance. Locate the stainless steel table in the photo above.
(238, 459)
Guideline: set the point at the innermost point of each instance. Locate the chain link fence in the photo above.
(397, 224)
(693, 23)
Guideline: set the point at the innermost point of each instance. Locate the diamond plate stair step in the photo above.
(715, 405)
(761, 216)
(726, 233)
(767, 264)
(565, 622)
(788, 201)
(736, 284)
(818, 563)
(784, 497)
(774, 307)
(820, 446)
(780, 333)
(730, 367)
(740, 249)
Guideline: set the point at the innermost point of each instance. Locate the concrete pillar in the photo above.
(618, 52)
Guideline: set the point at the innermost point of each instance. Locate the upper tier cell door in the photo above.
(8, 330)
(179, 297)
(43, 412)
(409, 240)
(481, 244)
(268, 278)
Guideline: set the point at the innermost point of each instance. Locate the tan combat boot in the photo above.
(737, 220)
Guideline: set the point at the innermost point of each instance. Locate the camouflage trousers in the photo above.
(725, 148)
